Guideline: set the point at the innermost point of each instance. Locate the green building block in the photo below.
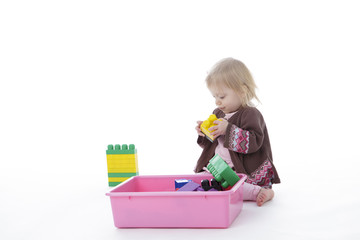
(222, 172)
(113, 184)
(124, 149)
(128, 175)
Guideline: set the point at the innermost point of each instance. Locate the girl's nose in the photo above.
(217, 102)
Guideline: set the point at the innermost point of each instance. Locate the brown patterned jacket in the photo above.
(248, 142)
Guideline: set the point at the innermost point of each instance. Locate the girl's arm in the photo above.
(249, 138)
(202, 141)
(201, 138)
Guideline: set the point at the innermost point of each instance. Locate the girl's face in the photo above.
(226, 99)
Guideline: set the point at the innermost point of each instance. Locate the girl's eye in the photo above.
(222, 97)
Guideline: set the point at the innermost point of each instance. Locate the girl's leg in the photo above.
(256, 193)
(250, 191)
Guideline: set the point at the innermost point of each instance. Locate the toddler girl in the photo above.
(241, 137)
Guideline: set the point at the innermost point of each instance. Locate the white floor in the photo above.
(69, 210)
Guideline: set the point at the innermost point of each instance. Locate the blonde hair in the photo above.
(233, 74)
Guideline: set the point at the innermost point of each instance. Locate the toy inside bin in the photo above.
(152, 202)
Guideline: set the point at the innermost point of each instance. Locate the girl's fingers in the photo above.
(213, 128)
(198, 130)
(219, 121)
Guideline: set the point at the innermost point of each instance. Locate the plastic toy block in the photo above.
(127, 175)
(215, 185)
(222, 172)
(130, 167)
(190, 186)
(117, 179)
(208, 124)
(124, 149)
(119, 159)
(122, 163)
(122, 170)
(125, 158)
(205, 184)
(113, 184)
(180, 182)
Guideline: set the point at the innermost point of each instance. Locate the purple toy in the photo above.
(190, 186)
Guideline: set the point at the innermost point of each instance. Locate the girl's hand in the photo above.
(198, 130)
(220, 128)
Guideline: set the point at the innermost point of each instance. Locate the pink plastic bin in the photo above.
(152, 202)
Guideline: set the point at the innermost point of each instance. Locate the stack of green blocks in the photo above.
(122, 163)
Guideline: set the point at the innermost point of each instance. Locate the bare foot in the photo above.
(264, 195)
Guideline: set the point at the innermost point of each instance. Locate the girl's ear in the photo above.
(244, 95)
(241, 93)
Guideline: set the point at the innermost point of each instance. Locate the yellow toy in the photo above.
(122, 163)
(208, 124)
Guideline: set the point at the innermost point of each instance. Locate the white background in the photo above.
(79, 75)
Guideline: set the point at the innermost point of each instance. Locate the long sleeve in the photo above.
(249, 137)
(201, 141)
